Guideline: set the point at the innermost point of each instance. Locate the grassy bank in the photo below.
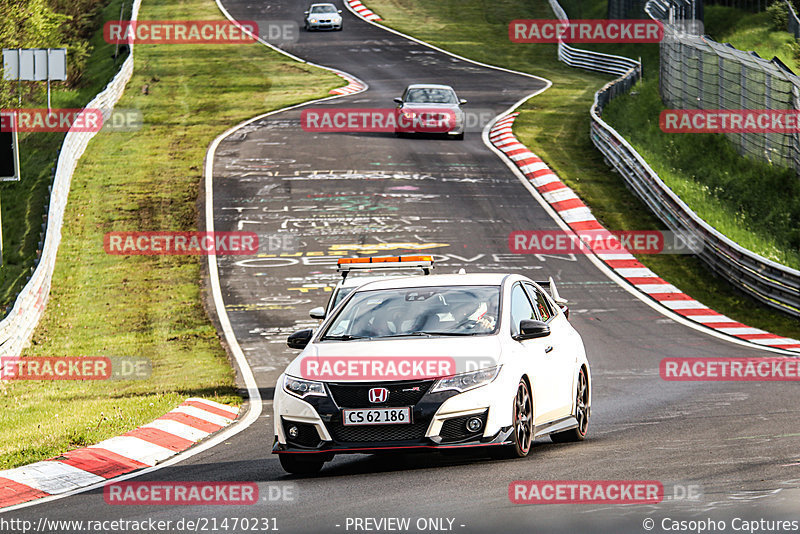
(146, 306)
(24, 202)
(555, 125)
(751, 31)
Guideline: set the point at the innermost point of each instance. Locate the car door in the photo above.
(558, 355)
(537, 362)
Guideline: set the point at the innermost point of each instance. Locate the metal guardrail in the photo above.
(587, 59)
(17, 327)
(773, 284)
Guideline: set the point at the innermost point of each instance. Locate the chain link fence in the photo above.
(793, 26)
(626, 9)
(699, 73)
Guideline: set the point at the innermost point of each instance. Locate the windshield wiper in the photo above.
(431, 334)
(454, 333)
(344, 337)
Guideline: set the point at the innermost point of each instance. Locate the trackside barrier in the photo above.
(586, 59)
(771, 283)
(17, 327)
(793, 23)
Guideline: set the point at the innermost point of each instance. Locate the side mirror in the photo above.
(305, 12)
(300, 339)
(462, 102)
(398, 100)
(530, 329)
(339, 12)
(317, 313)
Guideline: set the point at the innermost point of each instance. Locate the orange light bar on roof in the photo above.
(385, 259)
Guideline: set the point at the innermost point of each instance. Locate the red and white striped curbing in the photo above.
(362, 10)
(354, 85)
(578, 217)
(145, 446)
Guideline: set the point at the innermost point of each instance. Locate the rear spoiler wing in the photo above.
(550, 286)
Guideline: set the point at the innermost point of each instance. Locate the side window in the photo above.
(546, 311)
(521, 308)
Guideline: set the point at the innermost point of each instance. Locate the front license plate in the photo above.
(377, 416)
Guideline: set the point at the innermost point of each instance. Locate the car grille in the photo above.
(307, 435)
(455, 429)
(357, 395)
(372, 433)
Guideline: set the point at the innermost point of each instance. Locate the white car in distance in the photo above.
(323, 17)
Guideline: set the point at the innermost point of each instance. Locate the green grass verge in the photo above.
(23, 203)
(555, 126)
(751, 31)
(756, 205)
(147, 306)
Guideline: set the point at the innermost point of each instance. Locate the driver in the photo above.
(472, 315)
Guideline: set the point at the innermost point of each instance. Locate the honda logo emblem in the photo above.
(377, 395)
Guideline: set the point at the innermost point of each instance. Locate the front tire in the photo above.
(581, 413)
(297, 465)
(522, 435)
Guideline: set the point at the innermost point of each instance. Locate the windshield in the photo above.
(422, 311)
(340, 295)
(323, 9)
(431, 96)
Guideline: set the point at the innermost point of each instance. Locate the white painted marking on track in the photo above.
(51, 477)
(204, 415)
(136, 449)
(177, 428)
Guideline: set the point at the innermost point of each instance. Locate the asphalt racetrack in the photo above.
(722, 450)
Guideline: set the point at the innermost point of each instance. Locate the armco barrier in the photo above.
(587, 59)
(17, 327)
(773, 284)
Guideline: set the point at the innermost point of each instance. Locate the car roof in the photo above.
(429, 86)
(430, 280)
(322, 4)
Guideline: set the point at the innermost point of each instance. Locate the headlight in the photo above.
(467, 381)
(313, 21)
(409, 114)
(303, 388)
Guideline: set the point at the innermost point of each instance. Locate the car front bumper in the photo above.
(438, 422)
(319, 25)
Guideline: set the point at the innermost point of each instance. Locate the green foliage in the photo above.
(754, 203)
(779, 15)
(48, 24)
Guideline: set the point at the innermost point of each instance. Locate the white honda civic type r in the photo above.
(434, 362)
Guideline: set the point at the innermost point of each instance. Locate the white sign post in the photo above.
(35, 65)
(26, 64)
